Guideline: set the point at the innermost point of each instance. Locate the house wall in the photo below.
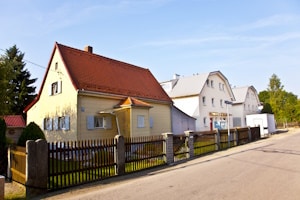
(214, 110)
(137, 131)
(189, 105)
(248, 107)
(124, 121)
(14, 134)
(160, 115)
(181, 122)
(92, 106)
(61, 104)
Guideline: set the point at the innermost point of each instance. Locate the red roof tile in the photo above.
(96, 73)
(14, 121)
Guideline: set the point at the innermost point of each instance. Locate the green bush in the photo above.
(31, 132)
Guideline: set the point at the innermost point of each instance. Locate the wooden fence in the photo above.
(74, 163)
(18, 164)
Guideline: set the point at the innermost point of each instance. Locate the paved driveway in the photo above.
(266, 169)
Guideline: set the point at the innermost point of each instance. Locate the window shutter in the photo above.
(59, 85)
(90, 122)
(43, 124)
(55, 123)
(50, 89)
(50, 125)
(151, 122)
(67, 122)
(107, 123)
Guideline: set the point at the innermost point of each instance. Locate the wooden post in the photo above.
(2, 185)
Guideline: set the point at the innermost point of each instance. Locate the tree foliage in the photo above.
(285, 105)
(31, 132)
(15, 82)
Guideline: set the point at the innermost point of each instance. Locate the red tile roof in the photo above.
(92, 72)
(14, 121)
(96, 73)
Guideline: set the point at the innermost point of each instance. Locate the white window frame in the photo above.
(99, 122)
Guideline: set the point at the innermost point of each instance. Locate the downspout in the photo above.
(117, 121)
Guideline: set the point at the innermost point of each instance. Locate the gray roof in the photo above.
(240, 93)
(193, 85)
(187, 86)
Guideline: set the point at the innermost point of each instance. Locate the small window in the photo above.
(55, 88)
(212, 83)
(99, 122)
(203, 101)
(220, 86)
(140, 121)
(204, 121)
(213, 102)
(56, 65)
(207, 82)
(221, 103)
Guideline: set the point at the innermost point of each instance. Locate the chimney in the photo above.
(88, 49)
(176, 76)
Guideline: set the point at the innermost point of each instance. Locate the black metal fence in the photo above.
(204, 142)
(180, 147)
(74, 163)
(143, 152)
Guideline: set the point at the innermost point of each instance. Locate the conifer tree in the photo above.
(19, 90)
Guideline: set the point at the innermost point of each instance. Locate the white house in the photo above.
(246, 103)
(204, 97)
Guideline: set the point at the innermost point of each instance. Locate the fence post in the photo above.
(120, 155)
(36, 167)
(249, 135)
(9, 161)
(236, 137)
(217, 140)
(190, 143)
(2, 185)
(168, 148)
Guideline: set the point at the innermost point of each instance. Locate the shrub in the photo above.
(31, 132)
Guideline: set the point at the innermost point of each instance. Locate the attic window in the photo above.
(55, 88)
(56, 65)
(207, 82)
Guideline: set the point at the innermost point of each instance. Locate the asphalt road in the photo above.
(266, 169)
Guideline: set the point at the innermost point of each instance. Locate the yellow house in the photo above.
(86, 96)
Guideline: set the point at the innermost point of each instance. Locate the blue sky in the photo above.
(247, 41)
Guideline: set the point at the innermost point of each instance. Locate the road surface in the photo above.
(266, 169)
